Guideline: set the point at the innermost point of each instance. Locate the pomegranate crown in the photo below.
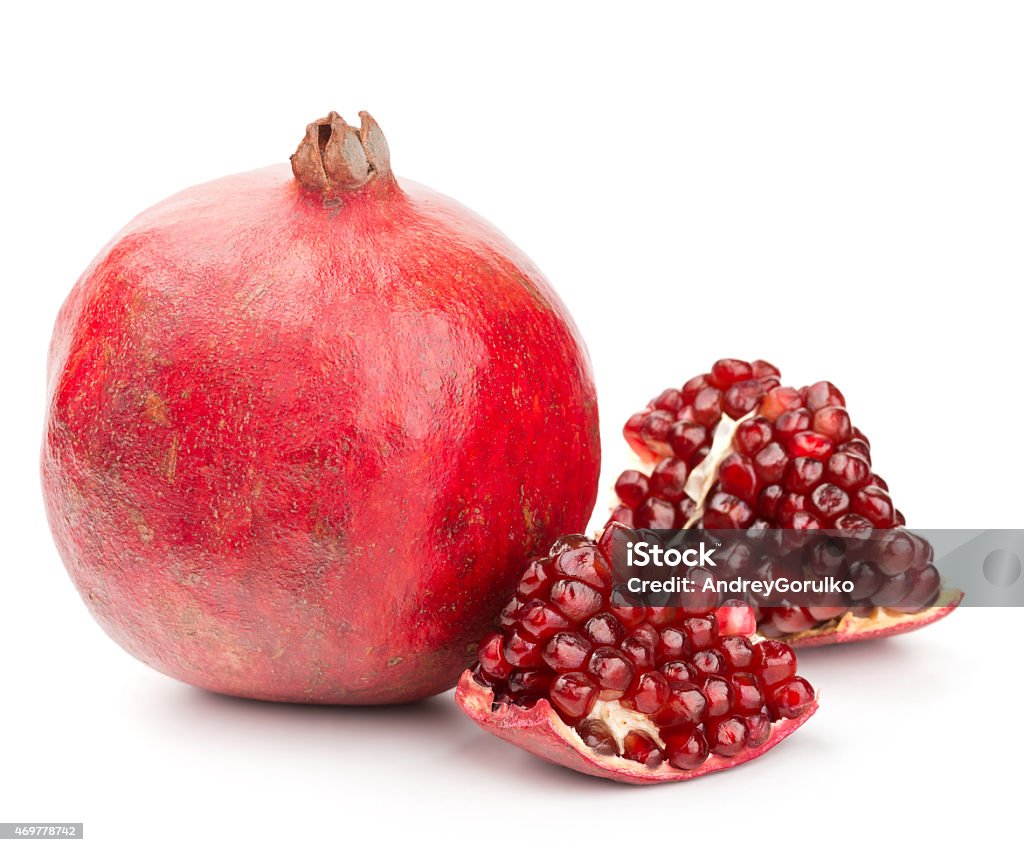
(335, 157)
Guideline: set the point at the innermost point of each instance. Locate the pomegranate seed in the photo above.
(822, 395)
(737, 651)
(612, 670)
(926, 584)
(639, 653)
(725, 511)
(737, 476)
(679, 671)
(630, 616)
(529, 684)
(709, 662)
(686, 705)
(833, 423)
(575, 599)
(747, 692)
(852, 522)
(759, 728)
(762, 369)
(753, 435)
(702, 600)
(875, 505)
(694, 387)
(684, 510)
(686, 749)
(669, 479)
(810, 444)
(654, 430)
(672, 645)
(632, 488)
(604, 629)
(804, 521)
(520, 651)
(719, 694)
(656, 514)
(848, 471)
(659, 616)
(791, 422)
(707, 407)
(856, 448)
(536, 581)
(587, 564)
(830, 501)
(897, 552)
(598, 737)
(791, 698)
(770, 463)
(790, 504)
(742, 398)
(778, 401)
(650, 693)
(686, 437)
(775, 662)
(867, 580)
(566, 652)
(574, 693)
(509, 613)
(803, 474)
(637, 746)
(492, 657)
(646, 633)
(892, 591)
(727, 737)
(701, 632)
(735, 619)
(631, 432)
(541, 621)
(669, 400)
(769, 501)
(727, 371)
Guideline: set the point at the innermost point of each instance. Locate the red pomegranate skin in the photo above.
(297, 449)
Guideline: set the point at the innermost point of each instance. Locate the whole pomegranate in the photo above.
(306, 425)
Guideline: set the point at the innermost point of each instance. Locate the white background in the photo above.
(838, 188)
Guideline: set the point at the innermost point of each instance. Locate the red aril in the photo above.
(305, 426)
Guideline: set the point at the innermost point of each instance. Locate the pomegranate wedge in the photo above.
(735, 449)
(634, 694)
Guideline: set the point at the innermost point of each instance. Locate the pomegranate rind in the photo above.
(540, 731)
(878, 625)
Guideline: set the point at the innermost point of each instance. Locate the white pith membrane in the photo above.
(704, 476)
(621, 720)
(698, 487)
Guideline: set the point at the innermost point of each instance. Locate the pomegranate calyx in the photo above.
(335, 157)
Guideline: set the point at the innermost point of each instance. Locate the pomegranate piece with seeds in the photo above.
(635, 694)
(761, 453)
